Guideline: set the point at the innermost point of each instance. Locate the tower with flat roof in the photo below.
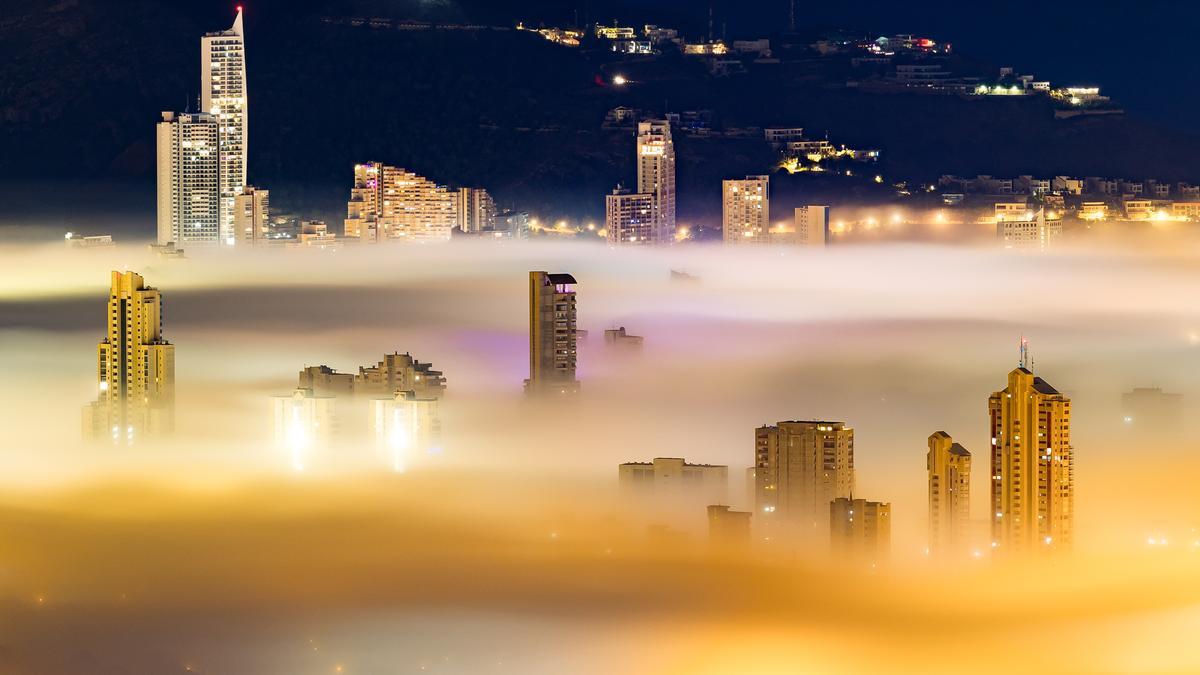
(552, 334)
(949, 468)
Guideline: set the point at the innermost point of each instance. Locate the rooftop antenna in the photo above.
(1025, 352)
(792, 16)
(710, 20)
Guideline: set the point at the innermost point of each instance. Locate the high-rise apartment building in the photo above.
(746, 210)
(223, 95)
(1032, 494)
(388, 203)
(189, 183)
(476, 210)
(811, 226)
(406, 426)
(860, 529)
(400, 372)
(656, 175)
(304, 421)
(553, 339)
(630, 218)
(800, 467)
(949, 467)
(1031, 234)
(135, 367)
(252, 215)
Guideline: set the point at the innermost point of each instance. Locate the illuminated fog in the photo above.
(511, 551)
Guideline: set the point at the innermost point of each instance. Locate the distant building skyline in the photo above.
(389, 203)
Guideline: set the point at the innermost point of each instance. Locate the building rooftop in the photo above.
(959, 450)
(561, 279)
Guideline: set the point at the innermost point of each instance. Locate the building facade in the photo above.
(1033, 493)
(1038, 234)
(388, 203)
(746, 210)
(190, 208)
(860, 530)
(656, 175)
(673, 477)
(305, 422)
(553, 334)
(223, 95)
(800, 467)
(728, 529)
(407, 426)
(476, 210)
(135, 367)
(629, 218)
(949, 468)
(252, 215)
(400, 372)
(811, 226)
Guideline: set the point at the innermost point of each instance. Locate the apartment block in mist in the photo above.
(620, 339)
(396, 372)
(727, 528)
(252, 215)
(656, 175)
(190, 207)
(860, 530)
(1037, 234)
(135, 367)
(388, 203)
(1150, 410)
(800, 467)
(223, 95)
(476, 210)
(746, 210)
(811, 226)
(553, 338)
(305, 422)
(949, 468)
(1033, 491)
(629, 218)
(406, 426)
(674, 477)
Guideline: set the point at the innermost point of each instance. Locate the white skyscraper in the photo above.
(223, 95)
(656, 175)
(189, 204)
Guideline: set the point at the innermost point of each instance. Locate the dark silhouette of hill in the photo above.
(83, 83)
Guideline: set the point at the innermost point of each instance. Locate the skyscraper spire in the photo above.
(237, 22)
(1024, 352)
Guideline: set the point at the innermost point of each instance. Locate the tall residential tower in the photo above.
(189, 169)
(552, 334)
(800, 467)
(135, 367)
(746, 210)
(1032, 483)
(656, 175)
(223, 95)
(949, 467)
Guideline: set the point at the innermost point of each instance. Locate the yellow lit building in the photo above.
(1032, 494)
(746, 210)
(1186, 210)
(674, 477)
(304, 422)
(388, 203)
(135, 367)
(728, 529)
(1139, 209)
(800, 467)
(553, 335)
(1093, 211)
(949, 467)
(476, 210)
(252, 215)
(396, 372)
(860, 529)
(406, 426)
(811, 226)
(1037, 234)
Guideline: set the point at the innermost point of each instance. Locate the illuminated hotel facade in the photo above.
(656, 176)
(746, 210)
(800, 467)
(223, 95)
(1032, 495)
(949, 468)
(388, 203)
(135, 367)
(553, 335)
